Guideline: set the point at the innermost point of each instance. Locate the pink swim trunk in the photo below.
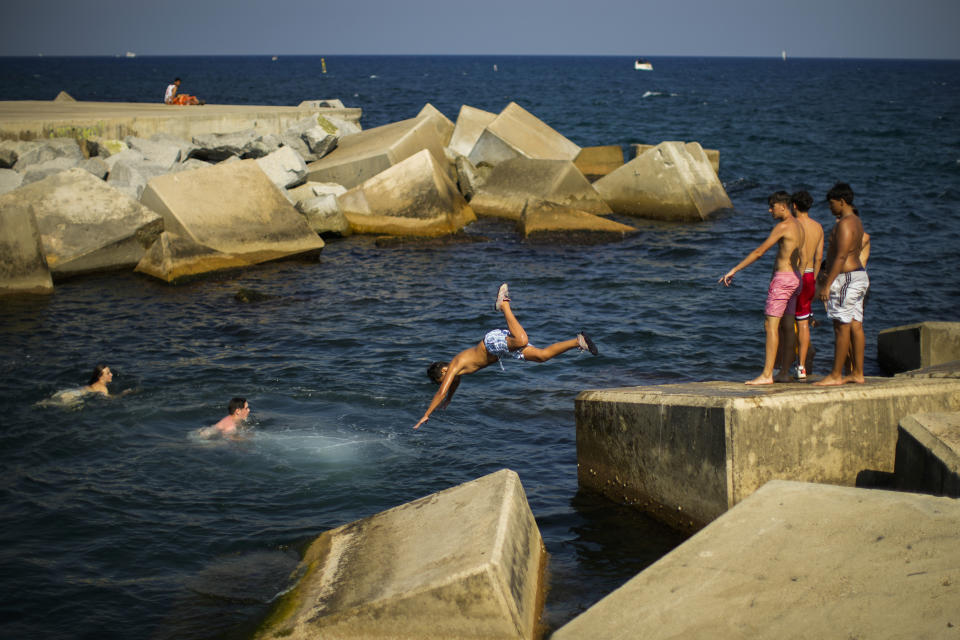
(782, 295)
(806, 296)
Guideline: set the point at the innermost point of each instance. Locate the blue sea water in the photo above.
(118, 524)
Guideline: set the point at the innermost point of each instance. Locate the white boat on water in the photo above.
(131, 54)
(642, 65)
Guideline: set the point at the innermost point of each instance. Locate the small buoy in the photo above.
(323, 65)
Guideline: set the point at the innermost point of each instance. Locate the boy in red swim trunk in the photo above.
(811, 255)
(784, 286)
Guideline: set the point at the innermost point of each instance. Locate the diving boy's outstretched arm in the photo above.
(444, 394)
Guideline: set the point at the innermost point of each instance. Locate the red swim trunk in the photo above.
(808, 288)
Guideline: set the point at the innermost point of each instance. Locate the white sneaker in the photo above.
(502, 296)
(799, 372)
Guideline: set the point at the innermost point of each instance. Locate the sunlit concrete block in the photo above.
(86, 225)
(284, 167)
(596, 162)
(470, 124)
(713, 155)
(688, 452)
(548, 222)
(511, 183)
(23, 268)
(672, 181)
(442, 123)
(798, 560)
(231, 208)
(517, 133)
(928, 454)
(414, 198)
(462, 563)
(917, 346)
(361, 156)
(174, 258)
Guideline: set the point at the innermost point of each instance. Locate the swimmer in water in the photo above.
(237, 412)
(99, 379)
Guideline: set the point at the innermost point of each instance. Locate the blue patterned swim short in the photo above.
(495, 343)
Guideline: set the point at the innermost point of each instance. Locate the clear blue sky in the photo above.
(804, 28)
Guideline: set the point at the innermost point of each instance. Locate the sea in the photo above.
(119, 523)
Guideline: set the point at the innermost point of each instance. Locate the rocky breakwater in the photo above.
(421, 177)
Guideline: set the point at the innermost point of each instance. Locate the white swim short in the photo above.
(846, 296)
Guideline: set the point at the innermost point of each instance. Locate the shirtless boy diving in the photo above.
(784, 286)
(499, 343)
(845, 286)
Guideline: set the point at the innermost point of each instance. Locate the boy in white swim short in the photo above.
(784, 287)
(500, 343)
(847, 285)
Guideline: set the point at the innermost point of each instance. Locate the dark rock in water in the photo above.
(253, 577)
(383, 242)
(249, 295)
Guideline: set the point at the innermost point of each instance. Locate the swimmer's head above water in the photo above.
(99, 379)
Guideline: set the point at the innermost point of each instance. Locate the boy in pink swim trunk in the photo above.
(784, 287)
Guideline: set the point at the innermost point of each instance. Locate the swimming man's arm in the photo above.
(756, 254)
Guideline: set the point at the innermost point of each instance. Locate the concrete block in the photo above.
(9, 180)
(130, 177)
(104, 147)
(945, 370)
(713, 155)
(462, 563)
(548, 222)
(442, 123)
(324, 215)
(916, 346)
(688, 452)
(63, 96)
(41, 170)
(36, 152)
(470, 124)
(596, 162)
(928, 454)
(86, 226)
(9, 153)
(512, 182)
(673, 181)
(516, 132)
(798, 560)
(413, 198)
(469, 177)
(284, 167)
(314, 189)
(174, 258)
(23, 268)
(363, 155)
(333, 103)
(231, 208)
(214, 147)
(157, 152)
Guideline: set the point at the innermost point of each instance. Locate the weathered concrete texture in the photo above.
(672, 181)
(363, 155)
(173, 258)
(798, 561)
(461, 563)
(85, 224)
(688, 452)
(596, 162)
(284, 167)
(554, 223)
(63, 96)
(511, 183)
(317, 201)
(946, 370)
(515, 133)
(23, 268)
(41, 119)
(233, 209)
(928, 454)
(9, 180)
(413, 198)
(915, 346)
(470, 124)
(442, 123)
(713, 155)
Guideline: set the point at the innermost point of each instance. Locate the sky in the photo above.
(753, 28)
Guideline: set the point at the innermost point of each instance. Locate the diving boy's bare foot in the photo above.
(830, 381)
(503, 295)
(760, 380)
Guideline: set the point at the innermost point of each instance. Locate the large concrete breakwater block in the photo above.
(470, 125)
(85, 224)
(928, 454)
(547, 222)
(688, 452)
(23, 268)
(415, 198)
(798, 560)
(231, 210)
(513, 182)
(917, 346)
(516, 133)
(466, 562)
(361, 156)
(672, 181)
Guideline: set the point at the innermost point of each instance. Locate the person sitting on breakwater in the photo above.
(845, 286)
(172, 97)
(784, 286)
(499, 343)
(811, 254)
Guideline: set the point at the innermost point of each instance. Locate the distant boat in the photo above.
(642, 65)
(131, 54)
(273, 59)
(783, 54)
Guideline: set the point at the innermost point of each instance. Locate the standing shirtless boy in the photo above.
(510, 342)
(784, 286)
(845, 286)
(811, 254)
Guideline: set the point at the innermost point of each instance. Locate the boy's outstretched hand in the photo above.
(422, 420)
